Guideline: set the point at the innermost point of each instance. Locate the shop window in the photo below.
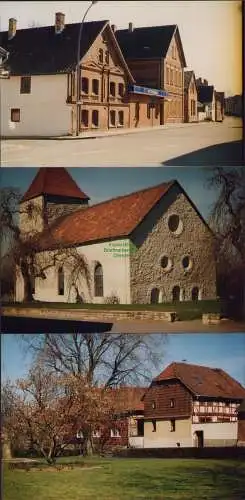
(121, 118)
(84, 118)
(113, 118)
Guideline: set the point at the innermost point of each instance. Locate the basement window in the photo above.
(15, 115)
(25, 85)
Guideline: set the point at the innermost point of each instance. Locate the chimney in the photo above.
(130, 27)
(12, 28)
(114, 28)
(59, 22)
(199, 81)
(205, 82)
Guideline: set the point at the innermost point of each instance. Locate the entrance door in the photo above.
(200, 439)
(161, 114)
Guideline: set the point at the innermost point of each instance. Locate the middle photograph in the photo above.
(134, 248)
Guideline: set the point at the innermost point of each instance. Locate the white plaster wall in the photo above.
(164, 438)
(43, 112)
(115, 273)
(136, 441)
(216, 431)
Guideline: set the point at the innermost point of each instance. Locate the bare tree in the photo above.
(108, 359)
(228, 222)
(24, 250)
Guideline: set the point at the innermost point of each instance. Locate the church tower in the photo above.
(52, 194)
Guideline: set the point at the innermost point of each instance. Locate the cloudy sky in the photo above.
(211, 31)
(226, 351)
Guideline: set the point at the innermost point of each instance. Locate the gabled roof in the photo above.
(187, 78)
(115, 218)
(54, 181)
(148, 42)
(205, 93)
(203, 380)
(41, 51)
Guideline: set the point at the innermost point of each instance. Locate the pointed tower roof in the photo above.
(54, 181)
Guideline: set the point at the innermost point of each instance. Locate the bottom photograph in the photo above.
(153, 416)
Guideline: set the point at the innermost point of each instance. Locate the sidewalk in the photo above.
(96, 134)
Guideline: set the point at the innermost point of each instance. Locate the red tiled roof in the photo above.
(110, 219)
(203, 381)
(54, 181)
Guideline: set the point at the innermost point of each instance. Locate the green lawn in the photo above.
(131, 479)
(185, 310)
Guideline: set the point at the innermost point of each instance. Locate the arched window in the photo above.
(154, 296)
(98, 281)
(61, 281)
(195, 293)
(176, 293)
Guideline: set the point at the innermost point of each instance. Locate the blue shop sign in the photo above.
(136, 89)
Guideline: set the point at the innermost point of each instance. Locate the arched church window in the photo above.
(61, 281)
(98, 281)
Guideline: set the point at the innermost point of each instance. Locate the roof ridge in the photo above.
(36, 28)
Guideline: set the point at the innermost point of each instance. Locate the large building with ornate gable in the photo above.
(148, 246)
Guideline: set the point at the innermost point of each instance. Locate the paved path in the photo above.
(202, 144)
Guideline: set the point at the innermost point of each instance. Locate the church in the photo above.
(149, 246)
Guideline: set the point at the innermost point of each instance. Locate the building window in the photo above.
(33, 284)
(166, 263)
(115, 433)
(137, 111)
(15, 115)
(153, 405)
(195, 293)
(175, 225)
(112, 89)
(113, 118)
(98, 281)
(168, 76)
(96, 434)
(171, 77)
(154, 425)
(84, 118)
(172, 403)
(176, 294)
(107, 57)
(154, 296)
(172, 425)
(187, 263)
(95, 86)
(121, 89)
(101, 56)
(121, 118)
(85, 85)
(95, 118)
(61, 281)
(148, 111)
(25, 85)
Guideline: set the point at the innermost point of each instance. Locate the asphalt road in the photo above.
(202, 144)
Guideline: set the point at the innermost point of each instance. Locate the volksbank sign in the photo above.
(136, 89)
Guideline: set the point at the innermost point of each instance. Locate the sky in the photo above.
(104, 183)
(211, 31)
(226, 351)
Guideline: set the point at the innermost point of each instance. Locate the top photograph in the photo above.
(154, 83)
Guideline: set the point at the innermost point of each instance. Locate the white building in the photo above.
(149, 246)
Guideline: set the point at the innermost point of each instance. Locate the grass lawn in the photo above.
(131, 479)
(185, 310)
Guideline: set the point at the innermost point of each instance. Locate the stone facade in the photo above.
(155, 241)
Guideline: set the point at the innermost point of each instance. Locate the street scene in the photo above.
(201, 144)
(146, 81)
(109, 410)
(122, 250)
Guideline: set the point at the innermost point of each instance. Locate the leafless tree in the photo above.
(108, 359)
(228, 222)
(24, 249)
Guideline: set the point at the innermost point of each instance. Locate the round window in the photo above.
(186, 263)
(175, 225)
(166, 263)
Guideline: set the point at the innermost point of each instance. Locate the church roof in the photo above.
(203, 380)
(113, 219)
(110, 219)
(54, 181)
